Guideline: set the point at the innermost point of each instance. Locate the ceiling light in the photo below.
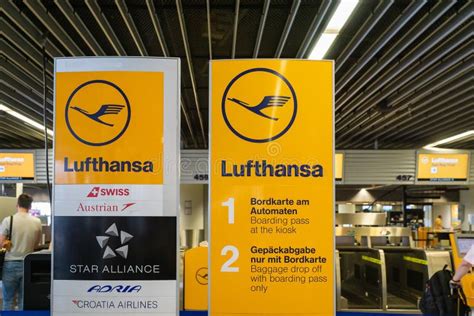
(451, 139)
(336, 23)
(25, 119)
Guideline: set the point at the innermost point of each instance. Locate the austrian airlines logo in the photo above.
(113, 232)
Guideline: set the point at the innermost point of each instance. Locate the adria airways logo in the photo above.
(115, 289)
(98, 191)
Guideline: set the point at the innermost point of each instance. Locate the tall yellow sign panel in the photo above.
(116, 186)
(272, 188)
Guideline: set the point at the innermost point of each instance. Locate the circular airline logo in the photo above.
(259, 105)
(202, 276)
(97, 113)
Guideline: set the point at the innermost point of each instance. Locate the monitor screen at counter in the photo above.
(442, 167)
(17, 166)
(464, 244)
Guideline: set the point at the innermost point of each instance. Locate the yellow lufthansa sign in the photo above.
(272, 182)
(109, 127)
(445, 167)
(196, 278)
(17, 166)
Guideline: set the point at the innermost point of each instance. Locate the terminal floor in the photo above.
(182, 313)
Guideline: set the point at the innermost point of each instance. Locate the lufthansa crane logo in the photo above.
(97, 113)
(259, 105)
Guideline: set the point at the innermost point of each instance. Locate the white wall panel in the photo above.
(379, 166)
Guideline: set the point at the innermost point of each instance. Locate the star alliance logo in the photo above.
(122, 251)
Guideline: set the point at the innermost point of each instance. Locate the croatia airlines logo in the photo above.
(113, 232)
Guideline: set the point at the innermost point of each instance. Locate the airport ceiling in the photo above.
(403, 68)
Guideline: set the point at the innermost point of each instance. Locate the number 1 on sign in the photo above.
(230, 205)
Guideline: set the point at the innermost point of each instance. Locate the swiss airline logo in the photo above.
(108, 192)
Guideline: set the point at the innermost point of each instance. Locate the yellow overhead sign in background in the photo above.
(339, 167)
(109, 128)
(272, 188)
(17, 166)
(442, 167)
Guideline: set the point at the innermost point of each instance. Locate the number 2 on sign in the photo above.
(226, 267)
(230, 205)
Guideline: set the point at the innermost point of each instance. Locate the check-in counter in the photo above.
(360, 277)
(37, 281)
(408, 269)
(378, 268)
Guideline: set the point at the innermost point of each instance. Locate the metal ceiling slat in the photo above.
(21, 104)
(320, 20)
(79, 26)
(184, 35)
(22, 108)
(22, 129)
(236, 26)
(157, 27)
(387, 123)
(26, 47)
(450, 126)
(383, 40)
(132, 28)
(395, 85)
(402, 89)
(164, 48)
(261, 28)
(365, 29)
(22, 78)
(105, 26)
(286, 31)
(454, 116)
(54, 27)
(28, 27)
(427, 128)
(395, 50)
(26, 140)
(24, 93)
(452, 74)
(457, 59)
(22, 62)
(448, 104)
(188, 122)
(209, 33)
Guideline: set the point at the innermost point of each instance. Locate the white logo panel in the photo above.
(118, 297)
(108, 200)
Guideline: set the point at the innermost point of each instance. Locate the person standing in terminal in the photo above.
(438, 224)
(464, 268)
(25, 236)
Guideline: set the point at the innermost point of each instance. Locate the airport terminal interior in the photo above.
(402, 206)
